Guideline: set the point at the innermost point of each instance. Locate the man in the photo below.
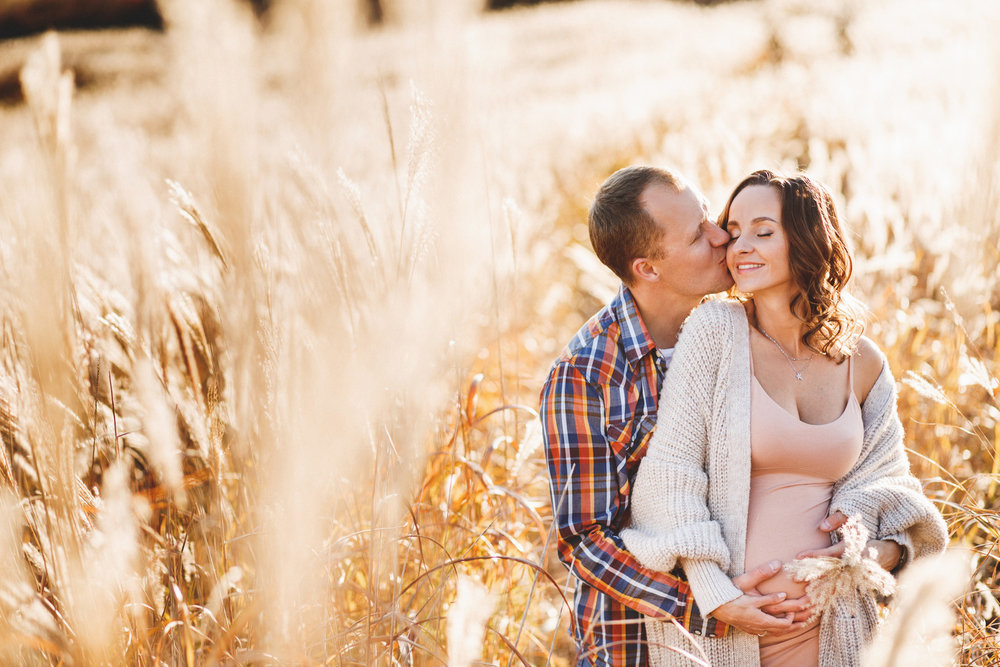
(598, 410)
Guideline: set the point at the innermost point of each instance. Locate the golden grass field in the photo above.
(278, 300)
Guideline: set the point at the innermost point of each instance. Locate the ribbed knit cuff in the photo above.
(710, 585)
(903, 540)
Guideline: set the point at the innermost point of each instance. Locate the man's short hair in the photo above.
(621, 229)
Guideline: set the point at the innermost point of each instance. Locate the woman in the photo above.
(775, 412)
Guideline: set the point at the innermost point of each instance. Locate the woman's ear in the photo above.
(643, 269)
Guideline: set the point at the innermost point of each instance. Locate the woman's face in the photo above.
(757, 255)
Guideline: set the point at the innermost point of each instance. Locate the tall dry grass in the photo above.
(275, 318)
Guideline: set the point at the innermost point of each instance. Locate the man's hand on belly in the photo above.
(800, 608)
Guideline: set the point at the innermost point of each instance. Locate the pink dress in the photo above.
(794, 466)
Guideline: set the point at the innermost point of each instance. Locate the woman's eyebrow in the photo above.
(761, 218)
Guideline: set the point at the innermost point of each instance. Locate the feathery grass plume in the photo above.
(419, 158)
(926, 387)
(213, 50)
(830, 579)
(49, 317)
(353, 194)
(419, 150)
(27, 629)
(467, 618)
(530, 444)
(159, 425)
(975, 373)
(918, 632)
(227, 583)
(106, 575)
(48, 91)
(185, 204)
(513, 216)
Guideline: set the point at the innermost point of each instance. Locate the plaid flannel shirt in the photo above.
(598, 411)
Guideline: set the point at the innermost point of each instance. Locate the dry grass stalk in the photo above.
(918, 632)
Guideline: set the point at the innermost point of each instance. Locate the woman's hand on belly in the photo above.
(886, 552)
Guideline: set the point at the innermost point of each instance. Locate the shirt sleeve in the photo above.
(584, 473)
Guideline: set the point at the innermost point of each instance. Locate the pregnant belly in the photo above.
(784, 516)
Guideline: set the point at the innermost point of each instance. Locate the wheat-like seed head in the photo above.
(926, 388)
(852, 574)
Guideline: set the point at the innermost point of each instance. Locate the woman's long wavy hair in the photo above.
(820, 261)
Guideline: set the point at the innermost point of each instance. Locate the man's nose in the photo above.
(720, 237)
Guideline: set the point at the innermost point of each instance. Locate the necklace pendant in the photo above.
(798, 376)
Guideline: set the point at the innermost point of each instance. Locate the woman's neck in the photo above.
(772, 314)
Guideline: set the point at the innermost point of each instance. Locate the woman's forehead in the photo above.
(755, 201)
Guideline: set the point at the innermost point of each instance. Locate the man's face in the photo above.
(693, 246)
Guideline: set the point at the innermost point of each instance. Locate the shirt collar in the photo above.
(635, 338)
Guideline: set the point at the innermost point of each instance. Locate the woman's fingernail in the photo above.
(825, 525)
(775, 565)
(781, 596)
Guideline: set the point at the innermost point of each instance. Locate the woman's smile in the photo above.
(744, 267)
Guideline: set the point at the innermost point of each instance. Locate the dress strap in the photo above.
(850, 374)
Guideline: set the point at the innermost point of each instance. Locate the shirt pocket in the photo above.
(630, 418)
(619, 403)
(629, 426)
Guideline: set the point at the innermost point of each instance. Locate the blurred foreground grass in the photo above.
(280, 409)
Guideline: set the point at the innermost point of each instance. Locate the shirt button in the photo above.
(697, 632)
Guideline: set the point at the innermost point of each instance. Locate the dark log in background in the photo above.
(26, 17)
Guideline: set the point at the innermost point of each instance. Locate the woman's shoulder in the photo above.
(868, 363)
(709, 328)
(710, 322)
(715, 312)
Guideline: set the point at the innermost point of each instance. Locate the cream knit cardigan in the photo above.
(692, 492)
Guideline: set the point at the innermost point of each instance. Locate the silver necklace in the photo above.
(808, 360)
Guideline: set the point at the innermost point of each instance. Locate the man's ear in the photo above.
(643, 269)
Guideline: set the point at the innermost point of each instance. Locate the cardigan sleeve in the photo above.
(880, 489)
(670, 515)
